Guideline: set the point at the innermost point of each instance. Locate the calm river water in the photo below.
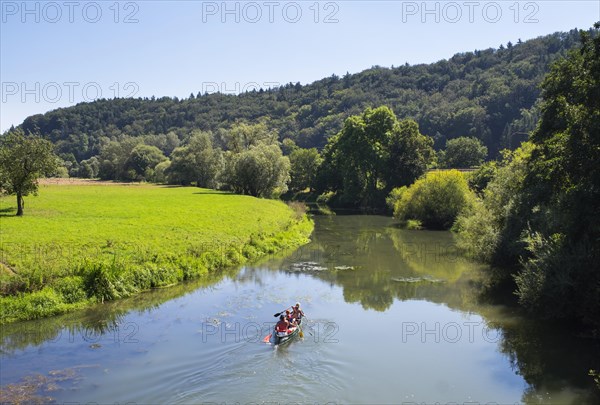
(392, 316)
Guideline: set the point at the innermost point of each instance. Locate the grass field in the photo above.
(85, 243)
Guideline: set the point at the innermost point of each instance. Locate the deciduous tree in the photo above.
(304, 166)
(463, 152)
(23, 160)
(260, 171)
(196, 162)
(374, 153)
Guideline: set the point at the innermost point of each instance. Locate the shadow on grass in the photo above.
(214, 192)
(8, 212)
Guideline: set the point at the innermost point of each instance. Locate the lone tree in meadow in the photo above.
(24, 159)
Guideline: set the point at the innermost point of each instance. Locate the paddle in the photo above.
(279, 313)
(308, 330)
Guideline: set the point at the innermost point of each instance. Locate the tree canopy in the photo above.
(142, 161)
(462, 153)
(542, 205)
(372, 154)
(260, 171)
(489, 94)
(198, 161)
(23, 160)
(305, 164)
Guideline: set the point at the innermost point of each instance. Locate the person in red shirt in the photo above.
(282, 325)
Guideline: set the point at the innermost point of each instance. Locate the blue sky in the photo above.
(58, 53)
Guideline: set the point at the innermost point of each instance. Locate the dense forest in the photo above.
(490, 94)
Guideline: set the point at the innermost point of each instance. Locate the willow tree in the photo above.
(260, 171)
(23, 160)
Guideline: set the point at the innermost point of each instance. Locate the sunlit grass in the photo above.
(97, 242)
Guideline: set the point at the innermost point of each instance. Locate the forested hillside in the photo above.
(488, 94)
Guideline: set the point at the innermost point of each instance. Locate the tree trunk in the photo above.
(19, 205)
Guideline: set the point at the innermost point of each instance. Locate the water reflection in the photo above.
(352, 262)
(102, 320)
(376, 263)
(551, 359)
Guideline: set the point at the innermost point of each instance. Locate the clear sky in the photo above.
(58, 53)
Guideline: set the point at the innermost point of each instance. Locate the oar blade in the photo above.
(267, 338)
(279, 313)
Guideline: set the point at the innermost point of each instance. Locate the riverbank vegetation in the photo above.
(533, 214)
(82, 244)
(539, 213)
(434, 201)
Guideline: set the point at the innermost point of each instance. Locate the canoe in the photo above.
(279, 338)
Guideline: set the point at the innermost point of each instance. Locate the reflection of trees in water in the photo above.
(551, 359)
(383, 256)
(547, 356)
(103, 319)
(378, 302)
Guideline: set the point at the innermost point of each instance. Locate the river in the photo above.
(392, 316)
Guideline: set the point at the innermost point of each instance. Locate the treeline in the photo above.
(540, 210)
(248, 159)
(534, 214)
(359, 166)
(487, 94)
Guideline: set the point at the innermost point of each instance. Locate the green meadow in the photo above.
(86, 243)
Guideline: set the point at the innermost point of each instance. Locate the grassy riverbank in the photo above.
(82, 244)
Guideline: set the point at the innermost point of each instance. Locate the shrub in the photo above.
(106, 282)
(414, 225)
(435, 200)
(558, 280)
(44, 303)
(394, 196)
(326, 197)
(480, 178)
(38, 304)
(478, 234)
(299, 209)
(72, 289)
